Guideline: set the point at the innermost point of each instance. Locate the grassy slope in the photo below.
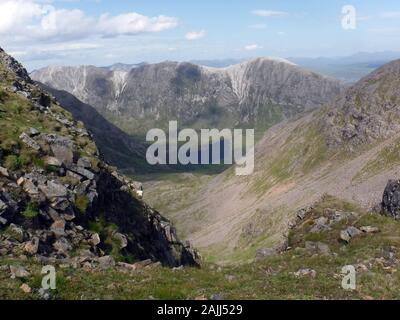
(17, 115)
(270, 278)
(172, 193)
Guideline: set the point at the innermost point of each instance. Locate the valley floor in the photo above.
(309, 269)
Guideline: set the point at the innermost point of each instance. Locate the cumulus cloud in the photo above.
(34, 19)
(134, 23)
(194, 35)
(252, 47)
(268, 13)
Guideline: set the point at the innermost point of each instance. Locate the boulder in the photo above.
(29, 141)
(265, 253)
(58, 228)
(301, 214)
(3, 221)
(53, 190)
(127, 266)
(78, 178)
(84, 163)
(25, 288)
(32, 246)
(349, 233)
(3, 206)
(106, 262)
(320, 224)
(122, 239)
(4, 172)
(18, 272)
(94, 240)
(62, 246)
(30, 188)
(143, 263)
(61, 147)
(20, 181)
(369, 229)
(317, 248)
(391, 199)
(53, 161)
(54, 215)
(306, 272)
(82, 187)
(33, 132)
(60, 204)
(82, 171)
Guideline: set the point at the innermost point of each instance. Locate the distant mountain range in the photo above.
(258, 93)
(348, 69)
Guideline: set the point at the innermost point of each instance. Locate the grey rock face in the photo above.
(391, 199)
(192, 94)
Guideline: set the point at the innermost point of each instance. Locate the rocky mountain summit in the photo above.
(259, 92)
(367, 112)
(58, 199)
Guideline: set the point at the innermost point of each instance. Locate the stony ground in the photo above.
(323, 239)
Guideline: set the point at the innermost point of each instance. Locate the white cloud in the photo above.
(194, 35)
(35, 20)
(268, 13)
(52, 51)
(134, 23)
(251, 47)
(71, 47)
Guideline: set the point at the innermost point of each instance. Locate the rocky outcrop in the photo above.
(391, 199)
(119, 149)
(367, 112)
(59, 200)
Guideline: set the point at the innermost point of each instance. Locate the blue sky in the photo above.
(102, 32)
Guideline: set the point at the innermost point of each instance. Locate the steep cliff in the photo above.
(58, 199)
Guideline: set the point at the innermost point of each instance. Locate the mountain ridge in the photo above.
(196, 96)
